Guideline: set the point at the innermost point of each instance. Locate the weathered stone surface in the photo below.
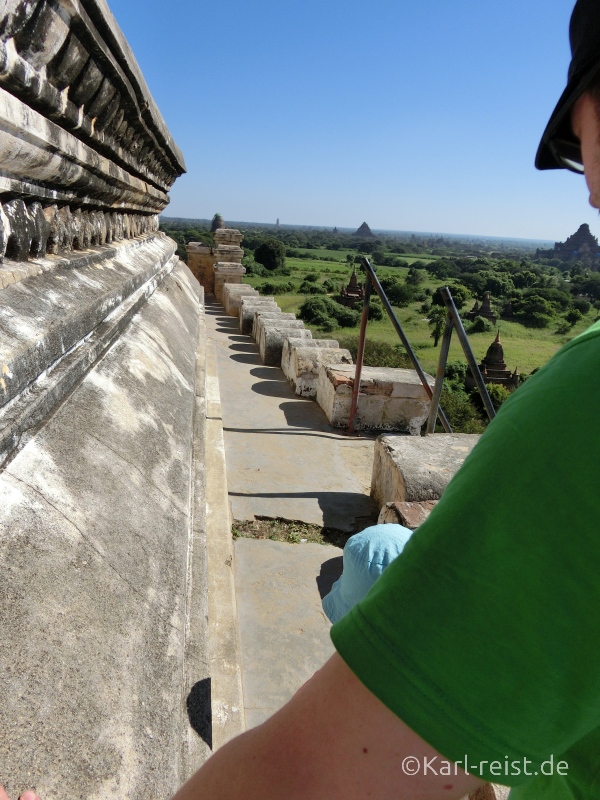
(272, 337)
(389, 399)
(410, 514)
(101, 420)
(261, 316)
(42, 318)
(203, 260)
(22, 229)
(95, 522)
(411, 469)
(228, 237)
(248, 306)
(306, 363)
(269, 312)
(232, 297)
(226, 272)
(45, 49)
(287, 363)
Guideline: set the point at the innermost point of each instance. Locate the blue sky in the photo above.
(417, 115)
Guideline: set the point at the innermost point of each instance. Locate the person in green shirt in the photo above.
(476, 655)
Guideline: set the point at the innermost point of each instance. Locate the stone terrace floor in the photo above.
(284, 460)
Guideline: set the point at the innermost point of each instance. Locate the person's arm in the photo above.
(334, 739)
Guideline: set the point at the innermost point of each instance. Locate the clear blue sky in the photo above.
(417, 115)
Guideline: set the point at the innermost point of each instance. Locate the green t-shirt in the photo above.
(484, 635)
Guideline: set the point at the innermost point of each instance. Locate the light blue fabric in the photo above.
(365, 556)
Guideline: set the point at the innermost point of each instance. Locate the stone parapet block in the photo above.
(228, 236)
(227, 272)
(272, 337)
(287, 361)
(262, 315)
(228, 254)
(248, 306)
(410, 514)
(232, 297)
(417, 469)
(389, 399)
(198, 247)
(306, 363)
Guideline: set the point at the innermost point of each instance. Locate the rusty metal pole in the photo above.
(466, 346)
(360, 353)
(398, 328)
(439, 375)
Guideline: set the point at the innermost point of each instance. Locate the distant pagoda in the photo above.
(493, 368)
(580, 246)
(364, 231)
(353, 293)
(484, 310)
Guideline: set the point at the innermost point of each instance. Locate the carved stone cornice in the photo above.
(85, 156)
(69, 60)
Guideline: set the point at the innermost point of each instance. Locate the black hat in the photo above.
(559, 147)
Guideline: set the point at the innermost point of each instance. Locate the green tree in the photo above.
(271, 254)
(437, 318)
(573, 316)
(460, 295)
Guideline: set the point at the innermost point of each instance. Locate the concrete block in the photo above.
(266, 314)
(289, 344)
(411, 469)
(272, 337)
(227, 272)
(306, 363)
(232, 297)
(410, 514)
(389, 399)
(247, 308)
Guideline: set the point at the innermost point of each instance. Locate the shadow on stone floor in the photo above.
(285, 432)
(271, 388)
(331, 570)
(246, 358)
(243, 348)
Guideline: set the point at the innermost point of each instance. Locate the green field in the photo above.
(524, 348)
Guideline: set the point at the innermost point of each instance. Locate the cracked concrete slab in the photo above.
(284, 632)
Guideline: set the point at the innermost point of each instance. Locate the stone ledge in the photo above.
(34, 404)
(43, 317)
(417, 468)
